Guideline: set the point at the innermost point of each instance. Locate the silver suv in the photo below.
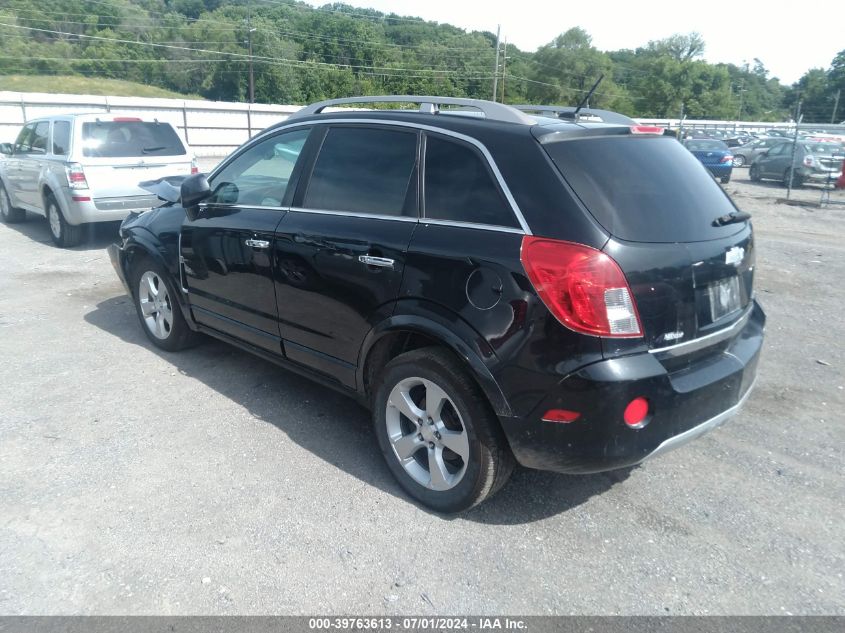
(85, 168)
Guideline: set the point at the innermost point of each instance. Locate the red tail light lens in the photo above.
(646, 129)
(76, 176)
(727, 159)
(195, 168)
(584, 288)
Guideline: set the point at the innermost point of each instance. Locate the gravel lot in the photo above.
(211, 482)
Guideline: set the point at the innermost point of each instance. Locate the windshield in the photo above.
(644, 189)
(120, 139)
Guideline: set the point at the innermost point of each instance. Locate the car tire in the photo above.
(447, 475)
(64, 235)
(797, 180)
(8, 213)
(725, 179)
(157, 307)
(739, 161)
(754, 173)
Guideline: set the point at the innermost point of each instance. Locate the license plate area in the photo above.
(724, 297)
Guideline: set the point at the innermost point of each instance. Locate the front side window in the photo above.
(460, 187)
(33, 138)
(260, 175)
(61, 137)
(23, 143)
(365, 170)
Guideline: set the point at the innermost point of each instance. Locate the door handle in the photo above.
(381, 262)
(257, 243)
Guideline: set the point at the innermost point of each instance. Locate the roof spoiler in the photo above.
(571, 113)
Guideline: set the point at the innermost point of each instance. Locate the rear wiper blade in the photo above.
(732, 218)
(157, 148)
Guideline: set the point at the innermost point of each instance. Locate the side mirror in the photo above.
(6, 148)
(194, 190)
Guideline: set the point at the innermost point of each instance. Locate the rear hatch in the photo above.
(691, 275)
(827, 156)
(118, 154)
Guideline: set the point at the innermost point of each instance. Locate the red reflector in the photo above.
(582, 287)
(646, 129)
(560, 415)
(121, 119)
(636, 412)
(195, 170)
(81, 198)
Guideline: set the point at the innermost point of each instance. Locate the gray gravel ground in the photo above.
(210, 482)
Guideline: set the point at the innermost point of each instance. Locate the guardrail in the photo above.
(215, 128)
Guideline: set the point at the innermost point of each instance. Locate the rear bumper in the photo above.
(688, 395)
(81, 211)
(720, 170)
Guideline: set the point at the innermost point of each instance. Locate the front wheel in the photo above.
(8, 213)
(739, 161)
(726, 179)
(157, 308)
(437, 432)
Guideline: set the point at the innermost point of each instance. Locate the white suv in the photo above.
(85, 168)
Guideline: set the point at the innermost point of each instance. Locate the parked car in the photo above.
(745, 154)
(81, 169)
(496, 289)
(819, 162)
(714, 155)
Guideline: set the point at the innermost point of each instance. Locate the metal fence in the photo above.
(212, 128)
(215, 128)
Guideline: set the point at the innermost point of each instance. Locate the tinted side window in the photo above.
(365, 170)
(61, 137)
(23, 142)
(39, 138)
(260, 175)
(460, 187)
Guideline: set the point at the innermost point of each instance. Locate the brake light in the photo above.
(646, 129)
(123, 119)
(582, 287)
(195, 167)
(76, 176)
(727, 159)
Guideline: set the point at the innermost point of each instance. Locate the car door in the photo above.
(340, 251)
(30, 163)
(773, 163)
(11, 171)
(227, 266)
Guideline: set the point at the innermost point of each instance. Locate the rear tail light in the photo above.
(76, 176)
(195, 167)
(727, 159)
(564, 416)
(583, 288)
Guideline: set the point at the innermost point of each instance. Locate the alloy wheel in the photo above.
(156, 308)
(427, 434)
(54, 220)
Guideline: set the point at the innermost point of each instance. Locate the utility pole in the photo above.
(249, 32)
(798, 118)
(742, 94)
(504, 67)
(496, 63)
(835, 107)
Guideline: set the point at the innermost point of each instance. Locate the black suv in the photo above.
(497, 288)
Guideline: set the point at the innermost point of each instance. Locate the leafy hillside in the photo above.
(302, 54)
(80, 85)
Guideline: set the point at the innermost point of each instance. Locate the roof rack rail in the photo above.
(568, 112)
(429, 105)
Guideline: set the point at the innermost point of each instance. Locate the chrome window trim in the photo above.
(416, 126)
(698, 343)
(217, 205)
(352, 214)
(473, 225)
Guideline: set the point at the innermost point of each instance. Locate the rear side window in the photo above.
(365, 170)
(460, 187)
(121, 139)
(61, 137)
(644, 189)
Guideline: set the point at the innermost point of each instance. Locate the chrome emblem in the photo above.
(735, 256)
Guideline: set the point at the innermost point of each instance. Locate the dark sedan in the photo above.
(714, 155)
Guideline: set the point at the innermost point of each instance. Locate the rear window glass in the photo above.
(644, 189)
(826, 149)
(120, 139)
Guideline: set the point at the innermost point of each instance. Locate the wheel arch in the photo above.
(405, 332)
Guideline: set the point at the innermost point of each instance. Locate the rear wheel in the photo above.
(64, 235)
(8, 213)
(726, 179)
(754, 173)
(437, 432)
(156, 305)
(797, 180)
